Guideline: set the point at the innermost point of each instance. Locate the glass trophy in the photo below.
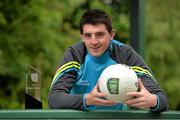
(33, 88)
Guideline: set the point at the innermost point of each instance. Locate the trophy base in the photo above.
(32, 103)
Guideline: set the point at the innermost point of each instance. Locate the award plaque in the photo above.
(33, 88)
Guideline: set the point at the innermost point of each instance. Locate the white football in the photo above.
(116, 80)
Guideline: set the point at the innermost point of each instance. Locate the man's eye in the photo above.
(87, 35)
(100, 35)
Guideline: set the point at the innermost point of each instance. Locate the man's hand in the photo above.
(143, 99)
(97, 98)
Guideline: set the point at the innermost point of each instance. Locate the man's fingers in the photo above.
(134, 94)
(100, 94)
(134, 100)
(97, 86)
(141, 86)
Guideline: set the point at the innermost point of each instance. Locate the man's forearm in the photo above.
(60, 100)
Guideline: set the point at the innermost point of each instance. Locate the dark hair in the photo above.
(95, 16)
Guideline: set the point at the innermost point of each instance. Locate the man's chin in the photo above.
(96, 54)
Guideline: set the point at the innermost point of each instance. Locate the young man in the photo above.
(75, 84)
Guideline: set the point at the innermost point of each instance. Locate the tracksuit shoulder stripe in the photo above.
(67, 64)
(138, 69)
(65, 67)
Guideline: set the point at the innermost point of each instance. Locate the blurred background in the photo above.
(37, 32)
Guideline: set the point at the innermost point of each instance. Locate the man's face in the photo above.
(96, 38)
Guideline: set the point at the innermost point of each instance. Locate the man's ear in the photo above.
(113, 32)
(82, 37)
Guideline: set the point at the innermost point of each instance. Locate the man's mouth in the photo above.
(95, 48)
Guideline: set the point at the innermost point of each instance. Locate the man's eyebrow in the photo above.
(87, 33)
(94, 33)
(100, 32)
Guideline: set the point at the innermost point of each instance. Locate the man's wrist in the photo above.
(87, 99)
(85, 102)
(154, 101)
(155, 108)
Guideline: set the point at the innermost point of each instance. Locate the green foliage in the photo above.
(37, 32)
(163, 52)
(30, 34)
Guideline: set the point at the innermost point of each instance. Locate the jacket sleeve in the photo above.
(65, 76)
(142, 70)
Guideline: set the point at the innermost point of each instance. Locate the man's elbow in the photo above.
(53, 102)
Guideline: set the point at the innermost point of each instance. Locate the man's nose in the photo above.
(94, 39)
